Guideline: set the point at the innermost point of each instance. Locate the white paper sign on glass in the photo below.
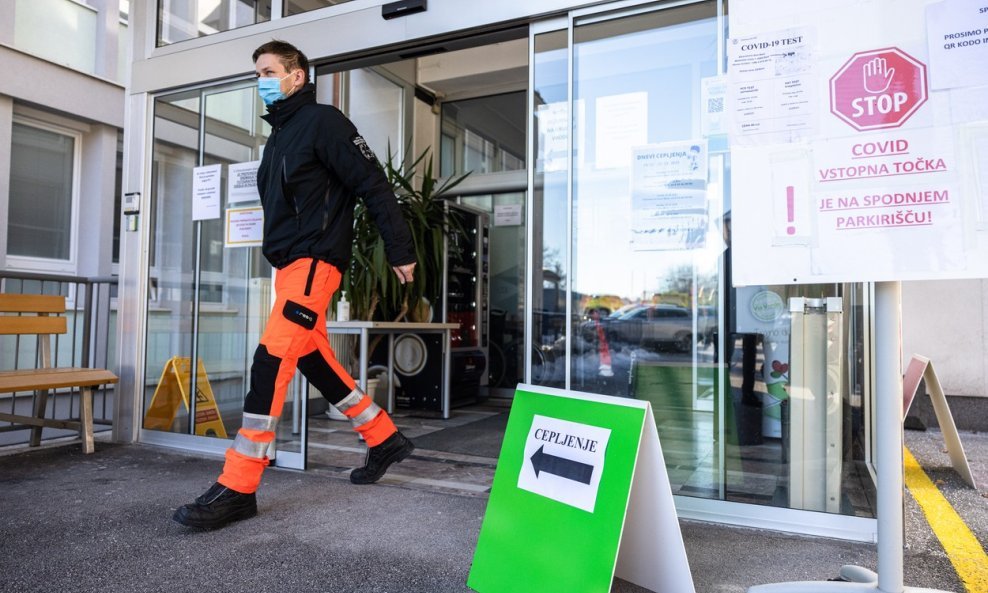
(956, 33)
(244, 227)
(713, 105)
(241, 185)
(669, 196)
(771, 92)
(206, 192)
(507, 214)
(554, 127)
(621, 123)
(883, 191)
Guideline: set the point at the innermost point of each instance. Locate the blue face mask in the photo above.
(270, 89)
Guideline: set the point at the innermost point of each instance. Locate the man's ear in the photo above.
(300, 80)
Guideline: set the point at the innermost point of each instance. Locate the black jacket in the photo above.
(315, 164)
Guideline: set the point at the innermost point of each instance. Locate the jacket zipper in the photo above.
(325, 209)
(284, 190)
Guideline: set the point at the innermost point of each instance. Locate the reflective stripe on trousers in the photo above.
(366, 417)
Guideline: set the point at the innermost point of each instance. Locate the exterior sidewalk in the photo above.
(103, 523)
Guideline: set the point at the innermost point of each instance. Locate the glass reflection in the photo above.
(300, 6)
(477, 135)
(234, 282)
(179, 20)
(646, 280)
(789, 442)
(550, 249)
(193, 271)
(172, 250)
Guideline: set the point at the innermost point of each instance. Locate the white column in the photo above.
(107, 27)
(6, 137)
(96, 200)
(888, 367)
(133, 272)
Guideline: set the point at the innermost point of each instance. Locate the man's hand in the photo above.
(405, 273)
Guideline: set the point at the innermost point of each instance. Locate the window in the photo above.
(117, 197)
(482, 135)
(43, 186)
(300, 6)
(179, 20)
(61, 32)
(374, 102)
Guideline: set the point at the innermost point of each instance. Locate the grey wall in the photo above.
(7, 23)
(43, 83)
(96, 201)
(947, 321)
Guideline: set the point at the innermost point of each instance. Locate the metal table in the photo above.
(365, 328)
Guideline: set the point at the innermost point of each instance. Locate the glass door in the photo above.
(235, 283)
(208, 301)
(646, 252)
(506, 292)
(630, 269)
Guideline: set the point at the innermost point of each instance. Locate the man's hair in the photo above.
(290, 56)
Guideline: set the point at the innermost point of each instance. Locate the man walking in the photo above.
(314, 167)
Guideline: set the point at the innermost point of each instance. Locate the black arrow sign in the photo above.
(562, 467)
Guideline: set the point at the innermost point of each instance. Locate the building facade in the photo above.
(61, 134)
(548, 104)
(61, 165)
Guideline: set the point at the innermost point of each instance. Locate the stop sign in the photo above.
(878, 89)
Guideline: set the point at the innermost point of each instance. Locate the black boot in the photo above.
(217, 507)
(379, 458)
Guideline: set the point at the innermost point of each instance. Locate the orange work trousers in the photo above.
(295, 337)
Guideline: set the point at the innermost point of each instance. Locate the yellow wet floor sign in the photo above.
(172, 392)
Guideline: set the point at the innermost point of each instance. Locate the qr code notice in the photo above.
(715, 105)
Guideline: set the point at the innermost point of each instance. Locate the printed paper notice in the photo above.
(554, 125)
(770, 93)
(244, 227)
(621, 122)
(241, 185)
(713, 94)
(885, 196)
(957, 32)
(669, 196)
(564, 461)
(507, 215)
(206, 192)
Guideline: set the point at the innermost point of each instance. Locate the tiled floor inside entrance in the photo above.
(334, 448)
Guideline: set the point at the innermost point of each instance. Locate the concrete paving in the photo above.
(103, 523)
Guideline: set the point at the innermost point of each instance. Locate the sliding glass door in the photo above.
(208, 297)
(630, 281)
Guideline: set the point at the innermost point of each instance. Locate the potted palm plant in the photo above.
(371, 286)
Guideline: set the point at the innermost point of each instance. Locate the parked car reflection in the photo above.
(651, 325)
